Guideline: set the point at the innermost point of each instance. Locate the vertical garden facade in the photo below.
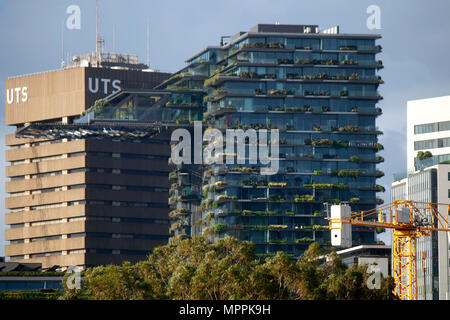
(320, 90)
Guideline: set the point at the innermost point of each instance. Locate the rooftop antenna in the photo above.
(96, 26)
(148, 44)
(114, 39)
(62, 62)
(98, 39)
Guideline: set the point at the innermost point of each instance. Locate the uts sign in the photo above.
(17, 95)
(95, 85)
(107, 85)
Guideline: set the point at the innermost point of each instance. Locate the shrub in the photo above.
(424, 155)
(219, 228)
(354, 159)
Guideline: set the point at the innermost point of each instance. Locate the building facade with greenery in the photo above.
(320, 90)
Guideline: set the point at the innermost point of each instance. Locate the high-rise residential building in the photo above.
(82, 202)
(320, 90)
(428, 180)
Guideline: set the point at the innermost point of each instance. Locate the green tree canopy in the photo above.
(228, 270)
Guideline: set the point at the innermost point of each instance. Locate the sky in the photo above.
(415, 40)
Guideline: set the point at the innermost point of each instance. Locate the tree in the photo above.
(228, 270)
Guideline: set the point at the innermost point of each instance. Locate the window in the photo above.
(425, 128)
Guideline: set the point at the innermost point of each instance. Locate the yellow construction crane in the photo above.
(409, 219)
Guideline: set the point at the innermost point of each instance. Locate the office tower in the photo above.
(320, 90)
(82, 202)
(428, 180)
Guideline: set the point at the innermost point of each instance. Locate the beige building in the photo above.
(81, 202)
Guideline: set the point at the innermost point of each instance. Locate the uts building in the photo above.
(82, 202)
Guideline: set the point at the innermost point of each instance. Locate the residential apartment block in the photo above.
(320, 90)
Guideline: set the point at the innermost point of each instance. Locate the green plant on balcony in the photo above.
(209, 216)
(350, 129)
(379, 230)
(259, 92)
(317, 172)
(97, 107)
(424, 155)
(224, 197)
(250, 75)
(234, 212)
(256, 227)
(277, 92)
(258, 213)
(277, 45)
(304, 198)
(290, 213)
(380, 188)
(304, 240)
(220, 228)
(208, 173)
(277, 184)
(318, 214)
(348, 48)
(276, 198)
(341, 144)
(354, 159)
(178, 211)
(269, 76)
(344, 93)
(285, 61)
(354, 200)
(349, 62)
(325, 109)
(322, 142)
(317, 128)
(289, 169)
(277, 241)
(379, 146)
(220, 184)
(277, 227)
(349, 173)
(332, 200)
(317, 227)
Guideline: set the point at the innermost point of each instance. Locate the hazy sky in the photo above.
(415, 42)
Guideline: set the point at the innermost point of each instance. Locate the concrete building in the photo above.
(428, 180)
(82, 202)
(372, 255)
